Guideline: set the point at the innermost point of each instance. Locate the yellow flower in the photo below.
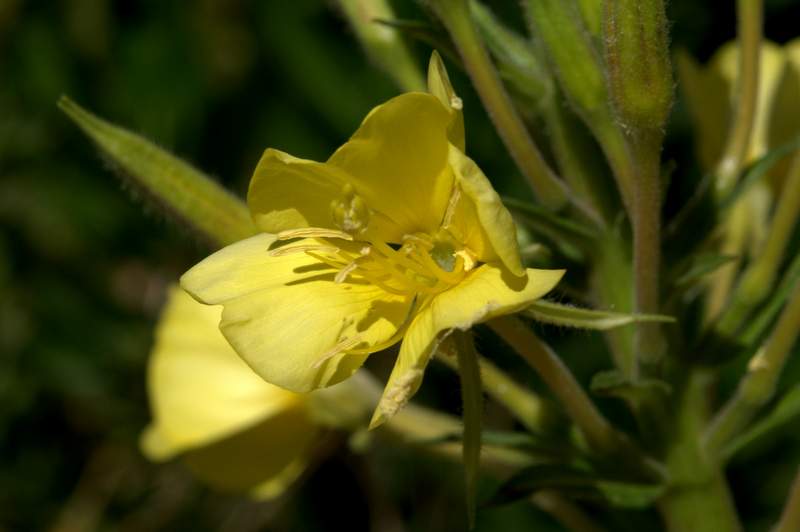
(398, 236)
(234, 430)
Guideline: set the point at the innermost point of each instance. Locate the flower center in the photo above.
(422, 264)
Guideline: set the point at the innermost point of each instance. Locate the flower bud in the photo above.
(637, 58)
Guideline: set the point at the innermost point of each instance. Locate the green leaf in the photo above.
(599, 320)
(698, 266)
(427, 33)
(614, 384)
(472, 401)
(787, 409)
(516, 61)
(766, 316)
(576, 483)
(626, 495)
(691, 223)
(759, 169)
(572, 239)
(173, 184)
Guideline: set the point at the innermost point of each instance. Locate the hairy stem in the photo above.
(698, 498)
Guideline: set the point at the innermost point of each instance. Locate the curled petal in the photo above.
(486, 293)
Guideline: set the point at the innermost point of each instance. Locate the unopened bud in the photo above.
(637, 57)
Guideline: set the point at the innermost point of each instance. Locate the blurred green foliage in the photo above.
(83, 268)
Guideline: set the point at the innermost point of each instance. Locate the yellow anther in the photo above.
(350, 213)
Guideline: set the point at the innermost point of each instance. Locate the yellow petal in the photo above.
(705, 91)
(487, 292)
(784, 120)
(771, 68)
(397, 161)
(439, 85)
(200, 391)
(285, 316)
(704, 86)
(289, 193)
(494, 236)
(263, 461)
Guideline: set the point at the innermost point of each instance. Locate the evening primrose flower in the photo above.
(234, 431)
(397, 237)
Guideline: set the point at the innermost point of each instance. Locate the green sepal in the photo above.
(581, 318)
(180, 189)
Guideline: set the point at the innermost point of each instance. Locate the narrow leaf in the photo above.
(425, 32)
(700, 266)
(787, 409)
(600, 320)
(579, 484)
(472, 400)
(516, 61)
(759, 169)
(758, 326)
(184, 191)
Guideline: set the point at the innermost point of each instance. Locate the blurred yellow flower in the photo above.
(709, 93)
(234, 431)
(398, 236)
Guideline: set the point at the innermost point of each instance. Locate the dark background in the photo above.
(83, 268)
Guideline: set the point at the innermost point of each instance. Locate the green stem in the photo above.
(455, 15)
(529, 409)
(646, 219)
(698, 498)
(790, 519)
(612, 280)
(750, 15)
(416, 424)
(758, 386)
(561, 382)
(601, 435)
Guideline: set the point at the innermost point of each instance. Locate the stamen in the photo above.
(344, 272)
(455, 195)
(313, 232)
(342, 346)
(291, 250)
